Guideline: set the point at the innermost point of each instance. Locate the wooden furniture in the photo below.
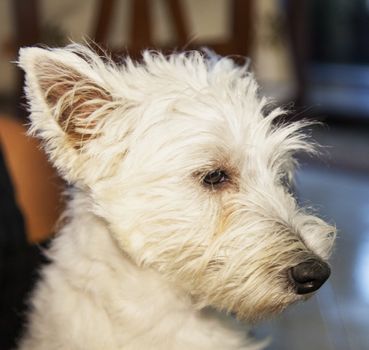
(239, 42)
(27, 19)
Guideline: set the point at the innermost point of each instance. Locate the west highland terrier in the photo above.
(181, 223)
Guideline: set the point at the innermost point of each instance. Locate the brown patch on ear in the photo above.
(73, 97)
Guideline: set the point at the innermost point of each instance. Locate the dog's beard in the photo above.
(232, 275)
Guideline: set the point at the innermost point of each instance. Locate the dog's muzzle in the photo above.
(309, 276)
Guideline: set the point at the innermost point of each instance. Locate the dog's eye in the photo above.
(287, 182)
(215, 177)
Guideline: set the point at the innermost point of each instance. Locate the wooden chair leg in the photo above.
(179, 22)
(103, 20)
(242, 31)
(27, 33)
(141, 35)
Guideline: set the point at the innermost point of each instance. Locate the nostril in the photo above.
(309, 275)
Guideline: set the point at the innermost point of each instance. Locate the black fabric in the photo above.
(18, 263)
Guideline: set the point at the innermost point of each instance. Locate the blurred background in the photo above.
(311, 57)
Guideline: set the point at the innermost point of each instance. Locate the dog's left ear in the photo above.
(68, 101)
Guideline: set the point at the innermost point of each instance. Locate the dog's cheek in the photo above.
(162, 225)
(178, 236)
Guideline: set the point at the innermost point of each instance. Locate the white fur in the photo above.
(150, 257)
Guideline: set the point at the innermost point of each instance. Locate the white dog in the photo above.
(179, 216)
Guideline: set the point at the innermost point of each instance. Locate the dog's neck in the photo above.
(144, 304)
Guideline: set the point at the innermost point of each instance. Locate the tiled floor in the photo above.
(337, 318)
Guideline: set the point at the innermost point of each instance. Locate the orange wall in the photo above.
(36, 184)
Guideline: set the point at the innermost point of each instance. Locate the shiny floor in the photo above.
(337, 318)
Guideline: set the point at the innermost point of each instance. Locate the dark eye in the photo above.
(215, 177)
(287, 182)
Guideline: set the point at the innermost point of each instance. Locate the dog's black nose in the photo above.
(308, 276)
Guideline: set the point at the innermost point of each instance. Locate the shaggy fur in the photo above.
(151, 256)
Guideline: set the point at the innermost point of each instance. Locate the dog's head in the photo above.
(192, 178)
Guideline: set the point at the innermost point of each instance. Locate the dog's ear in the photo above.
(67, 100)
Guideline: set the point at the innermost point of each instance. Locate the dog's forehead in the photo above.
(205, 132)
(195, 75)
(194, 103)
(206, 98)
(206, 91)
